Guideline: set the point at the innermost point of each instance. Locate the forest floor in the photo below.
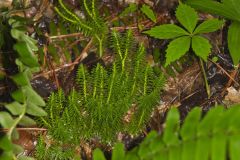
(185, 85)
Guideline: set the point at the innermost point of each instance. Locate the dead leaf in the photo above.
(233, 95)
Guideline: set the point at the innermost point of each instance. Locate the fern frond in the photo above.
(214, 137)
(204, 139)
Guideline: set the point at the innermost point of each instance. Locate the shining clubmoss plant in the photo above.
(91, 24)
(108, 101)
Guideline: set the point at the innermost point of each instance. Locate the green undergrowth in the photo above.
(118, 99)
(215, 136)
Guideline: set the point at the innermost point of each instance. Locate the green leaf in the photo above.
(18, 95)
(20, 64)
(6, 120)
(22, 37)
(234, 145)
(33, 97)
(21, 79)
(203, 146)
(187, 16)
(27, 121)
(234, 42)
(166, 31)
(170, 135)
(177, 48)
(209, 26)
(132, 156)
(189, 128)
(7, 155)
(15, 108)
(201, 47)
(218, 147)
(215, 7)
(209, 121)
(31, 43)
(98, 155)
(17, 149)
(26, 55)
(17, 34)
(118, 152)
(5, 144)
(35, 110)
(130, 9)
(234, 5)
(149, 13)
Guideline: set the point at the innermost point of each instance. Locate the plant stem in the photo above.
(9, 134)
(100, 41)
(205, 79)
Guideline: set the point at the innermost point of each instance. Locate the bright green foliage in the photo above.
(109, 100)
(225, 8)
(167, 31)
(92, 25)
(177, 48)
(149, 12)
(186, 38)
(213, 137)
(26, 102)
(234, 41)
(118, 152)
(87, 27)
(98, 155)
(230, 10)
(201, 46)
(187, 16)
(130, 9)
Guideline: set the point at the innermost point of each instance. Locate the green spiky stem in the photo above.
(112, 82)
(115, 36)
(141, 119)
(84, 83)
(138, 60)
(87, 9)
(145, 81)
(95, 80)
(101, 85)
(51, 111)
(75, 20)
(93, 10)
(64, 17)
(205, 79)
(100, 43)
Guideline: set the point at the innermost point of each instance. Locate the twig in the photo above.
(84, 51)
(205, 79)
(56, 69)
(230, 77)
(66, 35)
